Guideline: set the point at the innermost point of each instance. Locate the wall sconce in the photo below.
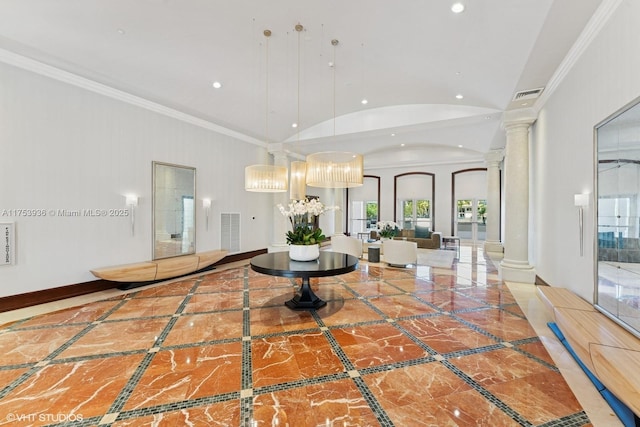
(581, 201)
(131, 200)
(206, 204)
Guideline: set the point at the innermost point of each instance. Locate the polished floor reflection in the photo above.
(418, 346)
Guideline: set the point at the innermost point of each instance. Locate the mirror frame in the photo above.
(617, 158)
(191, 191)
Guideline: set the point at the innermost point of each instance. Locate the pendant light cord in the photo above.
(267, 34)
(299, 29)
(334, 43)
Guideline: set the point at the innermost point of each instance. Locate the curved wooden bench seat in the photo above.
(166, 268)
(610, 352)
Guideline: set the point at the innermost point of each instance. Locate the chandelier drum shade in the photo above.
(266, 179)
(298, 185)
(335, 169)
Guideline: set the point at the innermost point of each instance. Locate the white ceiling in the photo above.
(409, 58)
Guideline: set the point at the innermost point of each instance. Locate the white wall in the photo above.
(605, 78)
(63, 147)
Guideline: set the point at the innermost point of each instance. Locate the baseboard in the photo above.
(15, 302)
(29, 299)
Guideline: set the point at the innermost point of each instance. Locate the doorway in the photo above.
(471, 220)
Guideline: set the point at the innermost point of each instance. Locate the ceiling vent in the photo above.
(527, 94)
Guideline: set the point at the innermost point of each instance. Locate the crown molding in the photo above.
(590, 31)
(43, 69)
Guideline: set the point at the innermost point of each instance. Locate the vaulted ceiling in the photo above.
(408, 58)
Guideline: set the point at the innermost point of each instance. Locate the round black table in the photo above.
(328, 264)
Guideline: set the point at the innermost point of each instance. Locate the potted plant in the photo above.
(387, 229)
(304, 238)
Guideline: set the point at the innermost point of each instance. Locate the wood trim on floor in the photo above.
(29, 299)
(540, 282)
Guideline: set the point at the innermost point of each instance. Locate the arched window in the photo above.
(414, 200)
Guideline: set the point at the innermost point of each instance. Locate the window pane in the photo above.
(423, 209)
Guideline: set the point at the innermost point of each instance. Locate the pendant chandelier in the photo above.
(298, 188)
(335, 169)
(266, 178)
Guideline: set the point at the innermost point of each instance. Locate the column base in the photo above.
(493, 246)
(517, 271)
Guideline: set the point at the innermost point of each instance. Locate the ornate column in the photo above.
(280, 223)
(515, 264)
(492, 242)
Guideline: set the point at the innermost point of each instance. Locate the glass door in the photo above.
(415, 212)
(364, 218)
(471, 220)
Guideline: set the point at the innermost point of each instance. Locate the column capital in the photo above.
(276, 148)
(494, 157)
(519, 117)
(280, 157)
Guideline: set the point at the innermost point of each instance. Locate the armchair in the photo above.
(399, 253)
(347, 245)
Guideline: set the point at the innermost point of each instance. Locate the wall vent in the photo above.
(527, 94)
(230, 232)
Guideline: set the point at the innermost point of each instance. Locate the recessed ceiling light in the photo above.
(294, 125)
(457, 8)
(364, 101)
(120, 31)
(401, 145)
(460, 146)
(393, 134)
(459, 96)
(217, 85)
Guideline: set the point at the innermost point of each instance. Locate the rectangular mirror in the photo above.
(617, 292)
(174, 217)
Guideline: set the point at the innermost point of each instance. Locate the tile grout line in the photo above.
(374, 405)
(41, 364)
(246, 394)
(514, 415)
(127, 390)
(246, 386)
(503, 406)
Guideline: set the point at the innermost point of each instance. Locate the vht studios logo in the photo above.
(49, 418)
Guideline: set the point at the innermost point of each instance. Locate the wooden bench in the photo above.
(610, 352)
(166, 268)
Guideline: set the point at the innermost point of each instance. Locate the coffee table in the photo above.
(328, 264)
(451, 242)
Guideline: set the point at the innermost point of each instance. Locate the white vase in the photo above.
(304, 252)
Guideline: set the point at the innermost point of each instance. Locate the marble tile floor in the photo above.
(418, 346)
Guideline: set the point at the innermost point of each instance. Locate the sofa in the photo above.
(423, 236)
(614, 248)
